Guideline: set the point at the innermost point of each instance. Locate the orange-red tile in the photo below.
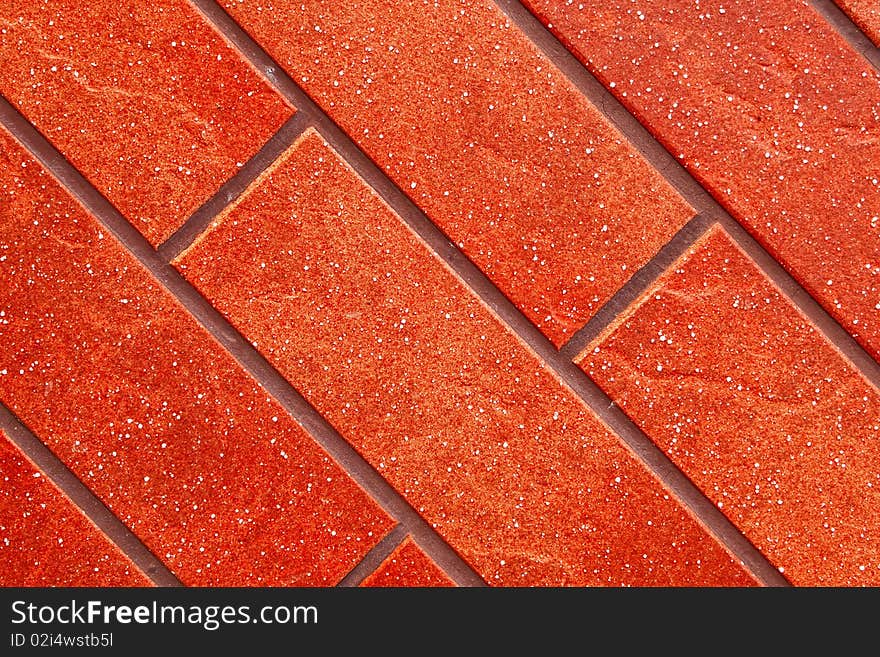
(45, 540)
(493, 142)
(765, 415)
(152, 414)
(502, 459)
(408, 566)
(152, 105)
(866, 14)
(770, 109)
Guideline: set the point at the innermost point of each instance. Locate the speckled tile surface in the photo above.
(146, 99)
(757, 408)
(437, 395)
(772, 111)
(408, 566)
(866, 13)
(512, 293)
(501, 151)
(45, 540)
(152, 414)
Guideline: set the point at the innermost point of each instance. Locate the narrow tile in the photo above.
(771, 110)
(487, 137)
(144, 98)
(752, 403)
(150, 412)
(510, 467)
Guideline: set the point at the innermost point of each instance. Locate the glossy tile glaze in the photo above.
(482, 439)
(483, 133)
(748, 398)
(152, 105)
(152, 414)
(408, 566)
(45, 540)
(771, 110)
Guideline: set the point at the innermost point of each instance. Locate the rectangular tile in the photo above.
(504, 461)
(150, 412)
(408, 566)
(499, 149)
(771, 110)
(45, 540)
(752, 403)
(145, 99)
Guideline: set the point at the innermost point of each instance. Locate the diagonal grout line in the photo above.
(687, 185)
(374, 558)
(635, 286)
(199, 221)
(239, 347)
(85, 500)
(838, 336)
(569, 373)
(846, 27)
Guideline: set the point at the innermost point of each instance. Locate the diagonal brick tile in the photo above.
(408, 566)
(754, 405)
(772, 111)
(486, 136)
(508, 465)
(152, 105)
(152, 414)
(866, 14)
(45, 540)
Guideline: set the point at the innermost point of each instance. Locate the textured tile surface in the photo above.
(758, 409)
(866, 14)
(772, 111)
(408, 566)
(153, 106)
(502, 152)
(45, 540)
(426, 383)
(151, 413)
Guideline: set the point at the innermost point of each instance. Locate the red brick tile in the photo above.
(153, 106)
(152, 414)
(508, 465)
(772, 111)
(748, 398)
(45, 540)
(492, 141)
(408, 566)
(866, 14)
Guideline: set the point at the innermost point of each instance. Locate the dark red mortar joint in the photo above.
(771, 110)
(144, 98)
(150, 412)
(44, 538)
(752, 403)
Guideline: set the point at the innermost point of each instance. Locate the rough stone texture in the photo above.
(45, 540)
(493, 142)
(148, 102)
(752, 403)
(152, 414)
(487, 444)
(770, 109)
